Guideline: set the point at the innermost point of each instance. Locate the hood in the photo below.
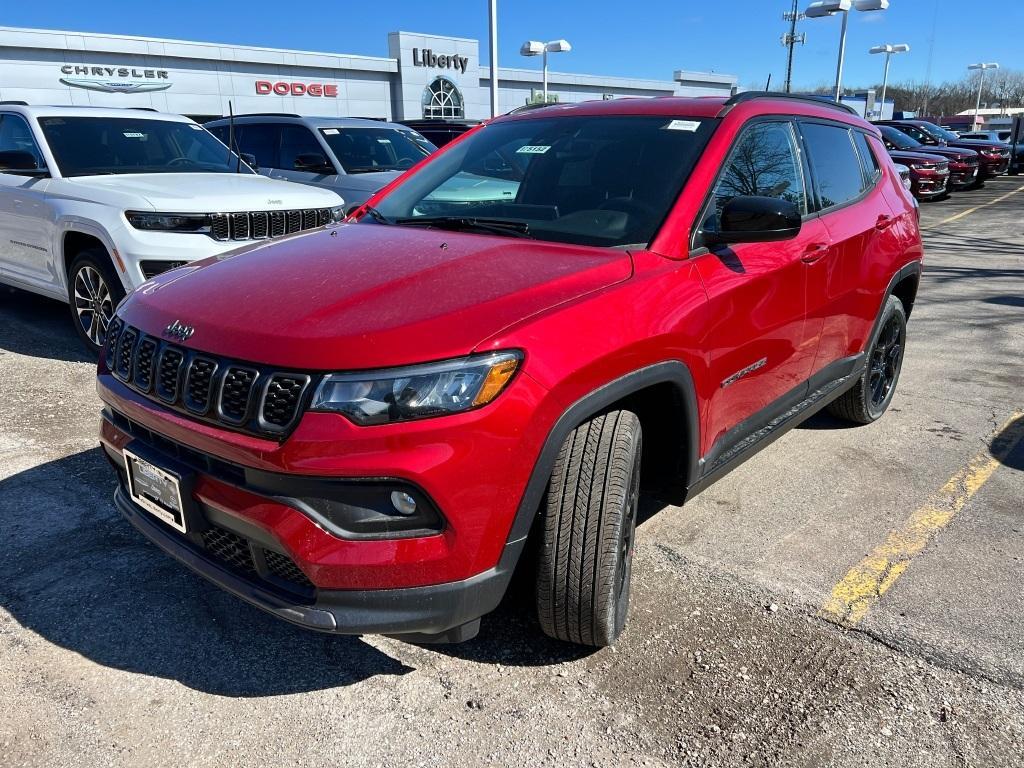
(953, 153)
(980, 144)
(907, 157)
(208, 192)
(368, 296)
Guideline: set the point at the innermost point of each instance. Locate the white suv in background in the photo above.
(93, 202)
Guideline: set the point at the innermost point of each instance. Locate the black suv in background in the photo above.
(349, 155)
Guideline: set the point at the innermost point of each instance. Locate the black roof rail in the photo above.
(261, 114)
(15, 103)
(745, 96)
(142, 109)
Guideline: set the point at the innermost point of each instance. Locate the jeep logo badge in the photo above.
(178, 331)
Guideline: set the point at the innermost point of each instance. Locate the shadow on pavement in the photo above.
(76, 574)
(38, 327)
(1008, 445)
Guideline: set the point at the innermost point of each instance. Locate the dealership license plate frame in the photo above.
(155, 477)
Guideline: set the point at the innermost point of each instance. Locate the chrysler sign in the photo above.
(427, 58)
(115, 79)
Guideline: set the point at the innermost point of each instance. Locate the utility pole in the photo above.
(790, 40)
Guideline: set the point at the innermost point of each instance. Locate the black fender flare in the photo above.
(674, 372)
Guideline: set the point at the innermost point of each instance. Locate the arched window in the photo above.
(441, 99)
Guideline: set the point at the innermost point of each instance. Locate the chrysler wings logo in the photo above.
(114, 86)
(178, 331)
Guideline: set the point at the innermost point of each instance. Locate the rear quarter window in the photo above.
(835, 163)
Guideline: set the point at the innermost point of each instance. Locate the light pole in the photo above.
(888, 50)
(981, 84)
(533, 48)
(492, 18)
(822, 8)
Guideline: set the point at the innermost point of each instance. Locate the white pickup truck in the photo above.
(94, 202)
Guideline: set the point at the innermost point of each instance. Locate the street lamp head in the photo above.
(990, 65)
(821, 8)
(870, 5)
(558, 46)
(901, 48)
(531, 48)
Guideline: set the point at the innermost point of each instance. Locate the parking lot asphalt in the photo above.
(849, 597)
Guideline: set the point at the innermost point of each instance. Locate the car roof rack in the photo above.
(260, 114)
(745, 96)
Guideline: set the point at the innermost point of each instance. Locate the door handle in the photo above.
(814, 252)
(884, 222)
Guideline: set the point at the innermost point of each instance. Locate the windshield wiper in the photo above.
(376, 215)
(495, 226)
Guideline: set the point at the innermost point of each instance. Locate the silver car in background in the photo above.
(349, 155)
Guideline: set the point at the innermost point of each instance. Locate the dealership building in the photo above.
(422, 76)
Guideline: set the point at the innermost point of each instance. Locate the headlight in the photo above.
(418, 391)
(170, 222)
(337, 214)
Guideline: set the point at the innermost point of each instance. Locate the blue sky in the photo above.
(644, 38)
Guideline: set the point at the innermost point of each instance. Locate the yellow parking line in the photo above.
(969, 211)
(874, 575)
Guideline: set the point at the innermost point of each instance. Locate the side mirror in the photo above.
(313, 162)
(755, 219)
(16, 160)
(250, 160)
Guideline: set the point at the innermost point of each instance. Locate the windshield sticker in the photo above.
(528, 150)
(683, 125)
(134, 135)
(383, 141)
(331, 131)
(195, 127)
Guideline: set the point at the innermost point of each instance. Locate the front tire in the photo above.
(94, 291)
(589, 520)
(870, 396)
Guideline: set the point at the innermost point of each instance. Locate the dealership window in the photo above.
(442, 100)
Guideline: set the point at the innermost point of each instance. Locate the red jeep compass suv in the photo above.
(361, 430)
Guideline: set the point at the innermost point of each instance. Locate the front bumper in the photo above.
(447, 612)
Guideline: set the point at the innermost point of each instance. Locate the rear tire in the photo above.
(869, 398)
(94, 291)
(589, 520)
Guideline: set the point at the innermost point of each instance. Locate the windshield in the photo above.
(370, 150)
(897, 138)
(89, 146)
(606, 181)
(939, 132)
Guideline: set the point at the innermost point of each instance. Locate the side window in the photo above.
(258, 140)
(16, 136)
(296, 140)
(837, 171)
(872, 170)
(221, 132)
(764, 162)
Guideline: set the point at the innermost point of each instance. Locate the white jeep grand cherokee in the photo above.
(94, 202)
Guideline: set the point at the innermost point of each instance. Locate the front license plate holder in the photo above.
(158, 489)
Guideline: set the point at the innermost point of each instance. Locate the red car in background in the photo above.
(963, 163)
(929, 174)
(993, 156)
